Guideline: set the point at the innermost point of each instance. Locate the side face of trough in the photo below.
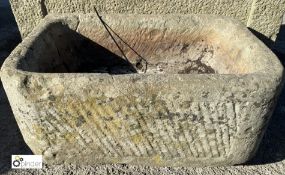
(150, 119)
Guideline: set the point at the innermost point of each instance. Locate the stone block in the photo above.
(162, 90)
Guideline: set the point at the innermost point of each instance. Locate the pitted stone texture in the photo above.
(28, 15)
(266, 17)
(261, 15)
(161, 119)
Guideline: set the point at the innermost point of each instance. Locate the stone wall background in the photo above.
(270, 158)
(261, 16)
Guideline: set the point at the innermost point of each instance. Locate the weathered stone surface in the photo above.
(261, 15)
(175, 112)
(266, 17)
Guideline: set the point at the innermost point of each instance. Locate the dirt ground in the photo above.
(270, 159)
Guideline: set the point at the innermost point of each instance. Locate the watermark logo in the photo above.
(26, 161)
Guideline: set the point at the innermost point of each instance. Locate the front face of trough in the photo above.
(174, 91)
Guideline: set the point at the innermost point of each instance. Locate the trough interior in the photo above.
(59, 49)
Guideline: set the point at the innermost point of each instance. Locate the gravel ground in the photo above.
(270, 159)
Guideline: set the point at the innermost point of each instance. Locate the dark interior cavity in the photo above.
(58, 49)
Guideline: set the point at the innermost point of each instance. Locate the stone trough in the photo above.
(170, 90)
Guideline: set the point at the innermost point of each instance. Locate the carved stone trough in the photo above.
(172, 90)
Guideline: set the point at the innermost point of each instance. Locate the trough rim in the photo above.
(273, 70)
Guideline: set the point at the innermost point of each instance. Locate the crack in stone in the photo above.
(43, 8)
